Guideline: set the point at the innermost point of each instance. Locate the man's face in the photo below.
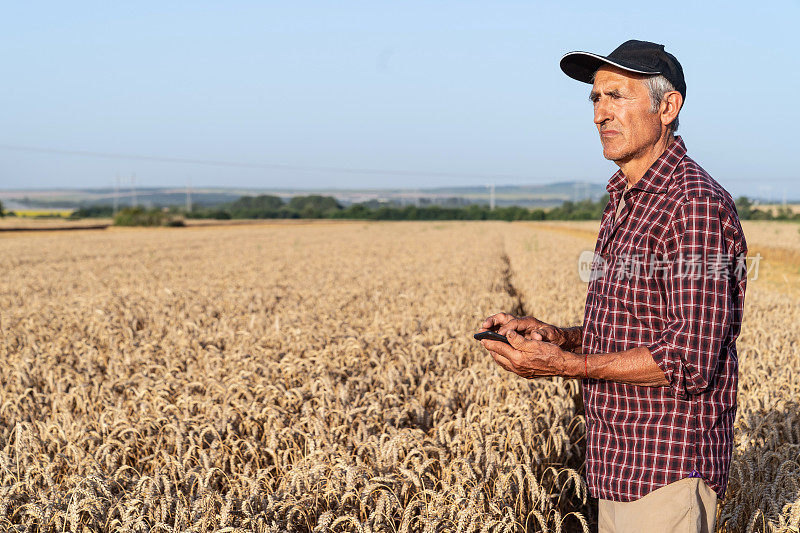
(623, 115)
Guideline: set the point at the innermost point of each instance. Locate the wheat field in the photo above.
(322, 377)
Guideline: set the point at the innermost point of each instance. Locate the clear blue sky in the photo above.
(460, 90)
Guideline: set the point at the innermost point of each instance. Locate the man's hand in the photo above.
(547, 350)
(495, 322)
(534, 329)
(503, 322)
(533, 358)
(528, 325)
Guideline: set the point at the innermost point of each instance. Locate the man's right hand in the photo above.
(495, 322)
(531, 328)
(547, 333)
(528, 326)
(502, 323)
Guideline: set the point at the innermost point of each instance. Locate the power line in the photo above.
(133, 191)
(273, 166)
(116, 194)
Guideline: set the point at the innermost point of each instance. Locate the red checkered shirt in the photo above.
(670, 275)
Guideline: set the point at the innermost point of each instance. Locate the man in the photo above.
(657, 348)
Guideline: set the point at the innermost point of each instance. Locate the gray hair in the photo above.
(659, 86)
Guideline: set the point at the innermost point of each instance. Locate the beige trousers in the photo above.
(688, 505)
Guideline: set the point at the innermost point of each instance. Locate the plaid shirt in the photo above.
(670, 275)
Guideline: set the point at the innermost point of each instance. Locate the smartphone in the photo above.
(491, 335)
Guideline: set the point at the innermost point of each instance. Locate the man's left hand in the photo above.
(530, 358)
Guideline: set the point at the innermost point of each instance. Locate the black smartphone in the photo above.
(491, 335)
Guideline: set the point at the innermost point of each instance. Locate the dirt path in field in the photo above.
(508, 284)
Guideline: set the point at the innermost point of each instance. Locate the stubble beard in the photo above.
(618, 156)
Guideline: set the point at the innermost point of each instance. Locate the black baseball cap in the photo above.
(640, 57)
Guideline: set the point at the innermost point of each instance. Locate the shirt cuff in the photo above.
(672, 369)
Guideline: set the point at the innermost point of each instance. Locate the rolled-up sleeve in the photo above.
(698, 298)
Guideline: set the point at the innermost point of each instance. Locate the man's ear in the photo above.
(670, 107)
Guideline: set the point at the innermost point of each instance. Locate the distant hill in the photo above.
(544, 195)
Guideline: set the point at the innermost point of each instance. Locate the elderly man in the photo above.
(657, 348)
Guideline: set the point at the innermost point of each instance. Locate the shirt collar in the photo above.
(656, 179)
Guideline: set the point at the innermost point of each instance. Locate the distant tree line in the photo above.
(139, 216)
(317, 206)
(93, 211)
(748, 211)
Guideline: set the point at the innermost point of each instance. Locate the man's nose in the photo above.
(601, 112)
